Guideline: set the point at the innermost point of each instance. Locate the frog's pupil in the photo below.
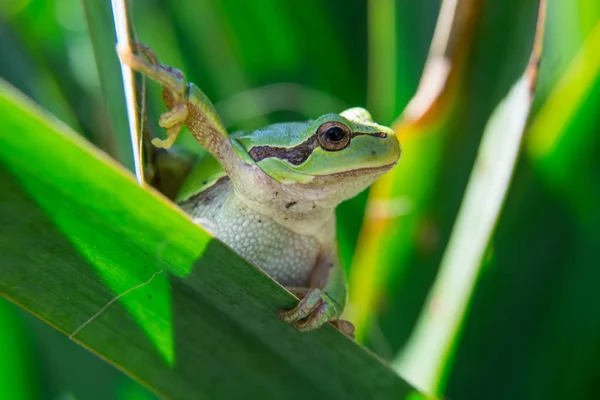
(335, 134)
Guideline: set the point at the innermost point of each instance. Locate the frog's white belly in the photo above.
(283, 254)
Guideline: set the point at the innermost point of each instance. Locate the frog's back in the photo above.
(201, 177)
(208, 170)
(286, 256)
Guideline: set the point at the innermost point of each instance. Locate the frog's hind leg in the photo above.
(324, 300)
(314, 309)
(174, 88)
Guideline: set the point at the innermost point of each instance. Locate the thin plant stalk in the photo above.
(121, 21)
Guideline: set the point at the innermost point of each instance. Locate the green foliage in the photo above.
(168, 304)
(533, 312)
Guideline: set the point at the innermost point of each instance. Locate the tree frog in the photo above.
(271, 194)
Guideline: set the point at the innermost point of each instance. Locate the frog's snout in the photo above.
(393, 143)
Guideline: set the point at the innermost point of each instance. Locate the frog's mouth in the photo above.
(367, 171)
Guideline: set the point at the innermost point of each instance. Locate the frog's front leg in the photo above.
(174, 89)
(323, 301)
(186, 104)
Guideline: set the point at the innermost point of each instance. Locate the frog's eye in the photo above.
(333, 136)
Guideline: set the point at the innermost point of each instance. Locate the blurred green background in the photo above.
(533, 328)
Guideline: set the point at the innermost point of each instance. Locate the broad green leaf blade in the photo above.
(127, 275)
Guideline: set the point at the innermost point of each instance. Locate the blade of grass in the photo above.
(18, 377)
(80, 236)
(303, 100)
(101, 29)
(382, 59)
(429, 351)
(558, 141)
(27, 68)
(211, 48)
(396, 204)
(121, 20)
(53, 34)
(562, 145)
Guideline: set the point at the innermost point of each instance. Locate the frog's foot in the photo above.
(174, 88)
(315, 309)
(172, 121)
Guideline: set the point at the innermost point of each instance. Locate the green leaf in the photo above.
(397, 209)
(430, 348)
(102, 35)
(563, 127)
(126, 274)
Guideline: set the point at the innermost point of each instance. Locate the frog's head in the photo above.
(327, 160)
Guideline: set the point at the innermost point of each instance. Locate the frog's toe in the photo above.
(172, 121)
(321, 315)
(314, 310)
(172, 134)
(175, 117)
(305, 307)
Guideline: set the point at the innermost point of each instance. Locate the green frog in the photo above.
(271, 194)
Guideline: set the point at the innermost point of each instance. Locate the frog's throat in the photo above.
(301, 217)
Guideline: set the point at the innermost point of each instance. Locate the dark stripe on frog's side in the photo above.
(298, 154)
